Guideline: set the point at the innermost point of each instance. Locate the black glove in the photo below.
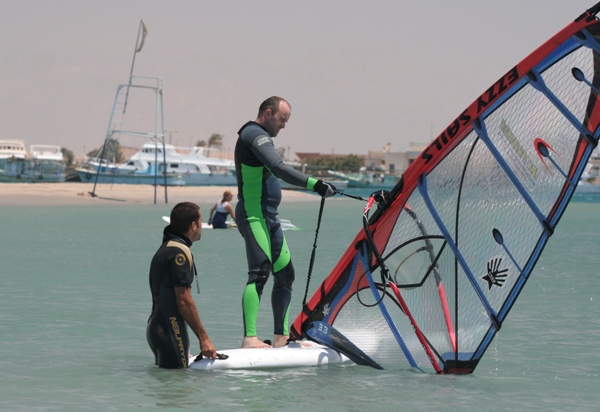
(324, 189)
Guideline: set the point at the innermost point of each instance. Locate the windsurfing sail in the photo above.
(431, 279)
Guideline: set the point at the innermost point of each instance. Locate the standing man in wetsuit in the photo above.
(171, 275)
(258, 168)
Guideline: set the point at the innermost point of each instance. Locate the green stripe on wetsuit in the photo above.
(310, 184)
(258, 167)
(252, 191)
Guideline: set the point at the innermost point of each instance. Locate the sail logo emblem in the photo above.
(326, 310)
(495, 276)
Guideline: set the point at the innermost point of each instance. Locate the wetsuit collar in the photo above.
(169, 233)
(250, 123)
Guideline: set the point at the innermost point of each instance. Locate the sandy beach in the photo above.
(26, 194)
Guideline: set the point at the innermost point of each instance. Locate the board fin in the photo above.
(327, 335)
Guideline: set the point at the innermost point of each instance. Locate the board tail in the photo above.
(327, 335)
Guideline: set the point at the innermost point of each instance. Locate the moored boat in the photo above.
(113, 174)
(48, 161)
(45, 164)
(367, 179)
(194, 166)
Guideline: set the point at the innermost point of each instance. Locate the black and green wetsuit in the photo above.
(259, 168)
(166, 332)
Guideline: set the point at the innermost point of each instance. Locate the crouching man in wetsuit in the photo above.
(258, 168)
(171, 275)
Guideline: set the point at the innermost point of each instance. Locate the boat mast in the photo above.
(115, 124)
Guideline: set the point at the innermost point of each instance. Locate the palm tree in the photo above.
(110, 151)
(216, 140)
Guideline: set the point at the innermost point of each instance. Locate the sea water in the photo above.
(74, 300)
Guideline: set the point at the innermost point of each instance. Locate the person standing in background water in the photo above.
(258, 169)
(222, 208)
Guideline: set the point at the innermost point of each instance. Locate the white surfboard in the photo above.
(285, 224)
(293, 354)
(230, 223)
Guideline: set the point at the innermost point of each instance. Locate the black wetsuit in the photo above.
(259, 168)
(172, 265)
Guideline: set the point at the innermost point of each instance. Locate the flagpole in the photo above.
(138, 47)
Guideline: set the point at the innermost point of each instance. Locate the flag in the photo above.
(144, 33)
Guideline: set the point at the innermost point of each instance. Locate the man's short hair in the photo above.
(272, 103)
(182, 216)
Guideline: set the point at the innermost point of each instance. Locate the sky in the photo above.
(357, 73)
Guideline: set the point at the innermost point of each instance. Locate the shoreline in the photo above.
(74, 193)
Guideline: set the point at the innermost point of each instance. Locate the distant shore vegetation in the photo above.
(346, 163)
(110, 151)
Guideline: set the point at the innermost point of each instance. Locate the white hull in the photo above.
(292, 355)
(88, 176)
(31, 178)
(195, 168)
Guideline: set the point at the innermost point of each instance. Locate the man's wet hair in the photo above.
(182, 216)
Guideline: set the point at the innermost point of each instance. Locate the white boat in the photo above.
(114, 174)
(42, 166)
(12, 160)
(584, 186)
(194, 166)
(48, 160)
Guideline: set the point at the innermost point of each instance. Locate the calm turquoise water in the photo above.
(74, 301)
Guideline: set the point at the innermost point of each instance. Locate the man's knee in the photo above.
(260, 278)
(286, 276)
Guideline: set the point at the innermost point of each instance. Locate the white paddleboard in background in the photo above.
(230, 223)
(285, 224)
(293, 354)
